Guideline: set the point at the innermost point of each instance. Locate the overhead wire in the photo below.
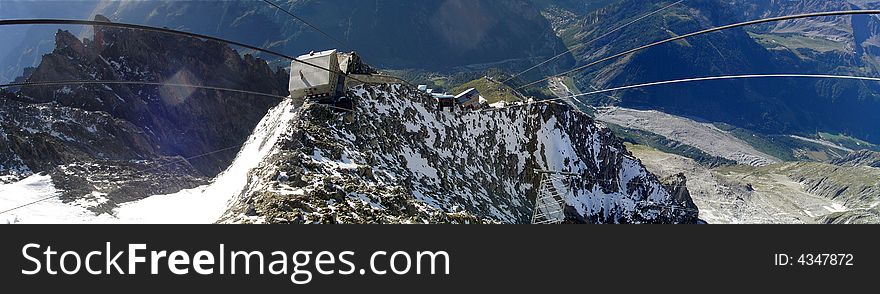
(45, 21)
(194, 35)
(698, 79)
(114, 82)
(138, 172)
(724, 77)
(11, 22)
(706, 31)
(644, 16)
(306, 23)
(28, 204)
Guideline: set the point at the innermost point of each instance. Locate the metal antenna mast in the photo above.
(550, 201)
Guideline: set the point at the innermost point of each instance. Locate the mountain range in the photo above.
(454, 38)
(114, 153)
(145, 153)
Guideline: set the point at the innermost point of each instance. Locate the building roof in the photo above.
(467, 92)
(314, 54)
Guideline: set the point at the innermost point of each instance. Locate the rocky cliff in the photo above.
(183, 121)
(397, 159)
(129, 141)
(860, 158)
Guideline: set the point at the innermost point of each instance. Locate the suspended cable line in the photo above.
(111, 82)
(182, 160)
(307, 23)
(46, 21)
(699, 79)
(138, 172)
(28, 204)
(711, 30)
(60, 83)
(728, 77)
(12, 22)
(595, 39)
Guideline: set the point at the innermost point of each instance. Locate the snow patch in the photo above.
(43, 206)
(418, 164)
(204, 204)
(835, 207)
(207, 204)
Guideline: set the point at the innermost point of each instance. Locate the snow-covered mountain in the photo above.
(132, 154)
(115, 143)
(39, 199)
(396, 158)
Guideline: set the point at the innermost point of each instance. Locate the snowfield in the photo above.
(46, 207)
(204, 204)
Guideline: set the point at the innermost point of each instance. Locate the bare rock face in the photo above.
(45, 135)
(398, 159)
(860, 158)
(677, 186)
(182, 121)
(128, 142)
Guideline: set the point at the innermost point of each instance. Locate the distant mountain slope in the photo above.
(801, 192)
(706, 137)
(491, 89)
(436, 34)
(861, 158)
(771, 106)
(24, 45)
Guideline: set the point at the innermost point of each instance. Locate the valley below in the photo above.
(752, 186)
(778, 193)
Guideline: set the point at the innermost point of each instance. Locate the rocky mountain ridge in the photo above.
(127, 142)
(396, 158)
(860, 158)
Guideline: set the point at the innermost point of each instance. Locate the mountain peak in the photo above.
(84, 134)
(447, 167)
(99, 17)
(65, 39)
